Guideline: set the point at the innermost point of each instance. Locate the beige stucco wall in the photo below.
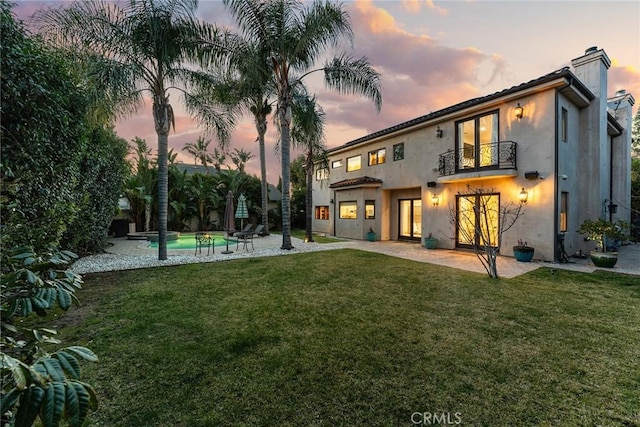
(563, 166)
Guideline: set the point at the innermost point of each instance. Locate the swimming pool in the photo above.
(188, 241)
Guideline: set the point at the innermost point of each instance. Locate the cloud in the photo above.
(624, 77)
(414, 6)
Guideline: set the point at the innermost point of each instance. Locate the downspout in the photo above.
(556, 231)
(608, 208)
(333, 214)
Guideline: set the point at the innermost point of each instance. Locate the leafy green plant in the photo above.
(36, 383)
(601, 231)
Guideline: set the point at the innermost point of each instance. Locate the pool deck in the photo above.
(628, 256)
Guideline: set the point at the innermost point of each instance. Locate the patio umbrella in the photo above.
(229, 221)
(242, 212)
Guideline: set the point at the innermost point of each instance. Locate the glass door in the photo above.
(478, 219)
(410, 218)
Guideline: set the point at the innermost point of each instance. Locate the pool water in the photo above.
(188, 241)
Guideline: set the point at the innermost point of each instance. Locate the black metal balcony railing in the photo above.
(496, 155)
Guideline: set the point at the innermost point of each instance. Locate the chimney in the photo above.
(591, 69)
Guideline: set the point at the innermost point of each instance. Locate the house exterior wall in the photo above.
(578, 163)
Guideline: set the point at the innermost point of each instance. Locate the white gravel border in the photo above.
(112, 262)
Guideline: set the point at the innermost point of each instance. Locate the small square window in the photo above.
(354, 163)
(377, 157)
(398, 151)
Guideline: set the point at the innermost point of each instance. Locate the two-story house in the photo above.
(556, 141)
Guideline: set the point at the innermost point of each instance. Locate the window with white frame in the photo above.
(336, 164)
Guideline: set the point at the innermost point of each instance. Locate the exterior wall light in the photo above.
(523, 196)
(439, 132)
(435, 200)
(519, 112)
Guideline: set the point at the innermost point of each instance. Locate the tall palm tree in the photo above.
(296, 37)
(246, 86)
(199, 151)
(307, 133)
(140, 47)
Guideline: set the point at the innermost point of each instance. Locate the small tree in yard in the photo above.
(484, 223)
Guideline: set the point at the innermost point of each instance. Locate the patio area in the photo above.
(130, 254)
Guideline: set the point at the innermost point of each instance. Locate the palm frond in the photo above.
(354, 76)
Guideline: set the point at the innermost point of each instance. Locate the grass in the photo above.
(345, 337)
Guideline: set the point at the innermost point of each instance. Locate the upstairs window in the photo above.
(477, 142)
(336, 164)
(354, 163)
(564, 125)
(377, 157)
(322, 174)
(398, 151)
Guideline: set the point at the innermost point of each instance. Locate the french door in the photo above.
(477, 220)
(410, 219)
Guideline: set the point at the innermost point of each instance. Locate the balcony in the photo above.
(493, 160)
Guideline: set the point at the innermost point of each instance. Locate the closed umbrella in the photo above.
(242, 212)
(229, 221)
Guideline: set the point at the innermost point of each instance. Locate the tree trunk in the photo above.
(261, 126)
(285, 145)
(162, 118)
(309, 198)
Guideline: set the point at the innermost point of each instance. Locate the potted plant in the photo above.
(523, 252)
(371, 235)
(603, 232)
(430, 242)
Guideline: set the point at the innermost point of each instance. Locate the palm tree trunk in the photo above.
(261, 126)
(161, 116)
(285, 145)
(309, 197)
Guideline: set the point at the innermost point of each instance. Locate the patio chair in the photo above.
(204, 239)
(245, 239)
(247, 228)
(259, 231)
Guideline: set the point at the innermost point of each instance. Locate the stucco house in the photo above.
(556, 140)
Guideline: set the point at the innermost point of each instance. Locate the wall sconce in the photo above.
(435, 200)
(439, 132)
(331, 201)
(431, 184)
(523, 196)
(519, 111)
(613, 208)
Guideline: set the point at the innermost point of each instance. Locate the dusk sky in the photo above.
(433, 54)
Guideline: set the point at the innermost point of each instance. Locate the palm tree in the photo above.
(240, 158)
(143, 46)
(296, 36)
(307, 132)
(199, 151)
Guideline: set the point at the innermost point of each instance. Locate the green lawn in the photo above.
(346, 338)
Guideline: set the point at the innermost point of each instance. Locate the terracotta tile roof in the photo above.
(561, 73)
(363, 180)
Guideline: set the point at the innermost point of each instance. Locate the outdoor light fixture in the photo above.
(519, 112)
(523, 196)
(435, 200)
(439, 132)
